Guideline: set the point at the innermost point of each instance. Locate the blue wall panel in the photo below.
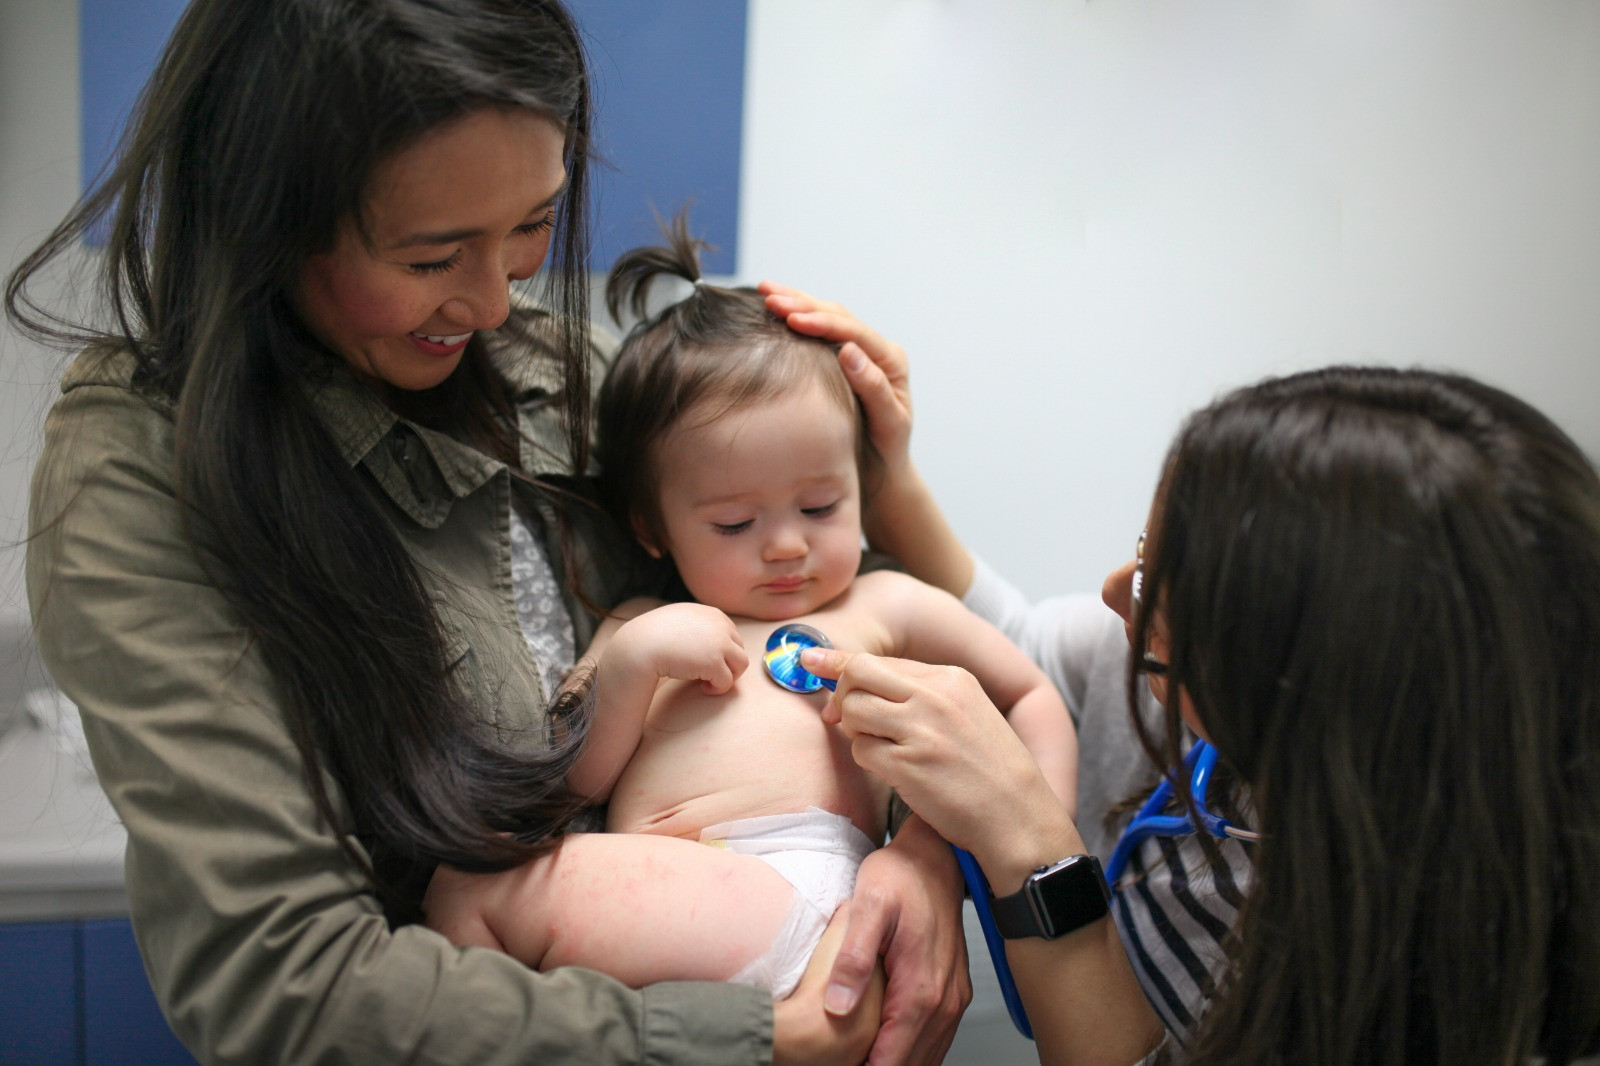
(669, 89)
(669, 84)
(122, 1025)
(39, 996)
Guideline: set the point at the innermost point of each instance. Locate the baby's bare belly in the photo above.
(755, 750)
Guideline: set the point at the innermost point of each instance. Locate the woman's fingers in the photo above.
(917, 711)
(876, 688)
(797, 299)
(932, 733)
(833, 321)
(888, 408)
(804, 1031)
(876, 367)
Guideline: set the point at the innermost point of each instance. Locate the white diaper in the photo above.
(816, 852)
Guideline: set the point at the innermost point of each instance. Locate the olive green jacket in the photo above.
(263, 941)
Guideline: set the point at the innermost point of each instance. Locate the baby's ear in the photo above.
(642, 534)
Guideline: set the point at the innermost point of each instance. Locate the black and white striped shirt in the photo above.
(1174, 909)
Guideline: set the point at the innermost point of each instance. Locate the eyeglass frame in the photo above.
(1148, 663)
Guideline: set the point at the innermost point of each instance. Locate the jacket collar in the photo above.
(422, 470)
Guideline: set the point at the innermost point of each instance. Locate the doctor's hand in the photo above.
(876, 368)
(932, 733)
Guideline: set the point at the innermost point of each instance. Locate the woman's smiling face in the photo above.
(451, 221)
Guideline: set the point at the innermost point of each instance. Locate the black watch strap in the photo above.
(1054, 900)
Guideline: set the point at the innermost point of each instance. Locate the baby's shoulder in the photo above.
(897, 602)
(891, 588)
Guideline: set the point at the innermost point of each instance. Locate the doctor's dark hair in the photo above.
(715, 351)
(1382, 589)
(252, 145)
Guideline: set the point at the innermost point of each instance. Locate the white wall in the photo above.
(38, 183)
(1085, 219)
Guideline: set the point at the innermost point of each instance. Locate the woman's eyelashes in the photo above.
(543, 225)
(527, 229)
(439, 266)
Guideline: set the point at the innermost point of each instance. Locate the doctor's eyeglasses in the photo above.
(1149, 664)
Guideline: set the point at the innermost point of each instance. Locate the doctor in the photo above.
(1377, 592)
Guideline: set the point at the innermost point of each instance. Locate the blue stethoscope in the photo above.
(783, 666)
(1152, 819)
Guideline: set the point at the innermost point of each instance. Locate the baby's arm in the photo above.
(932, 626)
(634, 650)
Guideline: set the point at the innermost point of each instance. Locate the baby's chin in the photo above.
(777, 608)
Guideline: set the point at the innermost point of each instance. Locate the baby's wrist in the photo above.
(631, 654)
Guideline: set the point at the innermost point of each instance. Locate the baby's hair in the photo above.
(716, 350)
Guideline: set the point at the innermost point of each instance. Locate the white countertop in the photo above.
(60, 842)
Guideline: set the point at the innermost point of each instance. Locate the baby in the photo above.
(733, 448)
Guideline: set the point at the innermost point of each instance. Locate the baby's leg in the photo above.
(641, 908)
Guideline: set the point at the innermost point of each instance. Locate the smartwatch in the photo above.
(1054, 900)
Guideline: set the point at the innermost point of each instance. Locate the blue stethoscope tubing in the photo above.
(1151, 820)
(978, 888)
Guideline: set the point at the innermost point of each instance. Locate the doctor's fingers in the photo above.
(841, 327)
(834, 322)
(793, 300)
(907, 701)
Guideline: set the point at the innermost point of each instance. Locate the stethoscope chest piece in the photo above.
(783, 657)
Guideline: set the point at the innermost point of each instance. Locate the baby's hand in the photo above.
(686, 641)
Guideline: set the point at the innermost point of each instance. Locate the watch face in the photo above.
(1067, 895)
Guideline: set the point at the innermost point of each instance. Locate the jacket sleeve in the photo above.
(262, 941)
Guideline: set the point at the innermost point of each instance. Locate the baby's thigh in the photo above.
(641, 908)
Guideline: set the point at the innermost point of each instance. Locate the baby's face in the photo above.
(762, 508)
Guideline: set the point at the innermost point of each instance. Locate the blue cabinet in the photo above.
(74, 994)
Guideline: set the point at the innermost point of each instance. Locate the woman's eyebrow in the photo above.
(451, 236)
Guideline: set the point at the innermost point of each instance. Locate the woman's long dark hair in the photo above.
(251, 145)
(1383, 594)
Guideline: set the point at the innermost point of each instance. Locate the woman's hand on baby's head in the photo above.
(688, 642)
(876, 367)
